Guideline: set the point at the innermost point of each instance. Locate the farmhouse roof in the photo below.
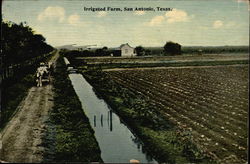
(124, 45)
(119, 48)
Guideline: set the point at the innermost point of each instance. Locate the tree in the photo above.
(140, 51)
(105, 48)
(105, 51)
(102, 51)
(147, 52)
(172, 48)
(98, 52)
(19, 43)
(21, 49)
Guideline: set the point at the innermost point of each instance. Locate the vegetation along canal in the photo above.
(116, 141)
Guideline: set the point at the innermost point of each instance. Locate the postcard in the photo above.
(112, 81)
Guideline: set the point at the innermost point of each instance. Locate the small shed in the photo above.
(127, 50)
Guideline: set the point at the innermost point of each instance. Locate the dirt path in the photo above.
(21, 138)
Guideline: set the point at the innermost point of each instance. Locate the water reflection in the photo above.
(117, 143)
(109, 125)
(102, 120)
(109, 120)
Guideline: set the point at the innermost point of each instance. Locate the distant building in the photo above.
(125, 50)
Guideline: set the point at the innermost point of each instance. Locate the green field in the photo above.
(187, 108)
(211, 102)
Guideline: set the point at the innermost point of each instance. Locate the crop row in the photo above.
(213, 102)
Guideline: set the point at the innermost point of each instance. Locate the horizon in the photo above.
(189, 23)
(154, 46)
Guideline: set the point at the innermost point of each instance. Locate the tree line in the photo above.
(20, 46)
(170, 48)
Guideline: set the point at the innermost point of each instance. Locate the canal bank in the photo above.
(71, 138)
(117, 143)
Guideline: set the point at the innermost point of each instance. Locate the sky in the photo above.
(189, 22)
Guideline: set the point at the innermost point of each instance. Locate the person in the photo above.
(39, 77)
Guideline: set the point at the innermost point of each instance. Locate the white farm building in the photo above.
(125, 50)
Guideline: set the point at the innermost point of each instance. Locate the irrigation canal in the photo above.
(117, 143)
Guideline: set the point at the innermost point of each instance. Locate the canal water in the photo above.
(117, 143)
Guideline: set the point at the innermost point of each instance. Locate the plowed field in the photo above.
(210, 101)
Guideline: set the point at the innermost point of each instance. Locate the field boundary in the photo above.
(179, 67)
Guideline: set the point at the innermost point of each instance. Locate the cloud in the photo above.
(245, 1)
(157, 20)
(74, 19)
(171, 17)
(102, 14)
(52, 13)
(139, 13)
(217, 24)
(177, 16)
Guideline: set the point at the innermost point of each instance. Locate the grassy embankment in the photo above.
(163, 139)
(74, 139)
(15, 90)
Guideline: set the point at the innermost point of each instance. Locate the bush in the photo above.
(172, 48)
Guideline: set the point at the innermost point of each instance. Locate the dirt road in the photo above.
(22, 137)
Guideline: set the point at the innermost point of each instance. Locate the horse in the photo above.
(41, 73)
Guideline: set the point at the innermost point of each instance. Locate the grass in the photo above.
(74, 137)
(12, 96)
